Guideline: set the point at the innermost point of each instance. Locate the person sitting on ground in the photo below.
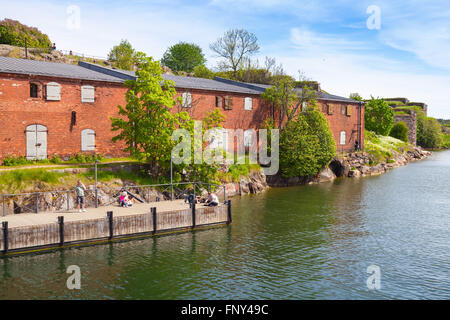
(212, 200)
(124, 201)
(80, 189)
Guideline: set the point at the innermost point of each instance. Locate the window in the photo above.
(343, 138)
(330, 109)
(53, 92)
(34, 90)
(228, 103)
(324, 108)
(219, 102)
(343, 109)
(304, 105)
(248, 137)
(87, 94)
(187, 100)
(248, 103)
(88, 140)
(219, 139)
(349, 110)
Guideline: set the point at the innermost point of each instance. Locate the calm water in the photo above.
(311, 242)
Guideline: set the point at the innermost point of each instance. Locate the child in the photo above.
(124, 201)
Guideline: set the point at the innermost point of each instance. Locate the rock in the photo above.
(326, 175)
(354, 174)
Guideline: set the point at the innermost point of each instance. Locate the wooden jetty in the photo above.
(23, 233)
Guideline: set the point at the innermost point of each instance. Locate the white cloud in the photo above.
(325, 58)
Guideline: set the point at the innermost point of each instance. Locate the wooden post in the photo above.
(5, 236)
(153, 211)
(230, 218)
(109, 214)
(37, 202)
(61, 230)
(193, 215)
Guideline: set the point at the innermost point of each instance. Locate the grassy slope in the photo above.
(383, 148)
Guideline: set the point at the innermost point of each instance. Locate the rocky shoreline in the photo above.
(352, 165)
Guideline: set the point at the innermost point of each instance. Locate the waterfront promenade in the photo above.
(27, 232)
(34, 219)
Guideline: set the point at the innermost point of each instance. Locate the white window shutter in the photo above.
(248, 103)
(187, 100)
(53, 91)
(87, 94)
(248, 138)
(88, 140)
(343, 138)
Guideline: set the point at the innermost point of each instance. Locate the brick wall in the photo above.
(339, 122)
(18, 110)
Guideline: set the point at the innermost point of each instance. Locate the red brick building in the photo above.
(51, 109)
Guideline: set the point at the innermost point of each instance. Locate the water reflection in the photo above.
(308, 242)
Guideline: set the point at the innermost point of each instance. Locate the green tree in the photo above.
(183, 56)
(146, 123)
(202, 71)
(379, 117)
(289, 99)
(14, 33)
(123, 56)
(356, 96)
(306, 144)
(429, 132)
(400, 131)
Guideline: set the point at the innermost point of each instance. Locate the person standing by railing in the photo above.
(80, 189)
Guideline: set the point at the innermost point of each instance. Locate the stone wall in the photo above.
(411, 122)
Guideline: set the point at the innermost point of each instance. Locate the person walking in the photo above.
(80, 189)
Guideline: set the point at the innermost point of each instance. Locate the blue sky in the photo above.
(329, 41)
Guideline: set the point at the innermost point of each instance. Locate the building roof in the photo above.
(262, 87)
(52, 69)
(184, 82)
(90, 71)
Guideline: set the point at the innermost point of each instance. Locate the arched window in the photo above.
(343, 138)
(87, 140)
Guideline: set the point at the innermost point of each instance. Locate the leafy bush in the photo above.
(379, 117)
(86, 158)
(306, 144)
(11, 161)
(446, 141)
(429, 132)
(56, 159)
(400, 131)
(14, 33)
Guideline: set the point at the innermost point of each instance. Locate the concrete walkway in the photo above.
(30, 219)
